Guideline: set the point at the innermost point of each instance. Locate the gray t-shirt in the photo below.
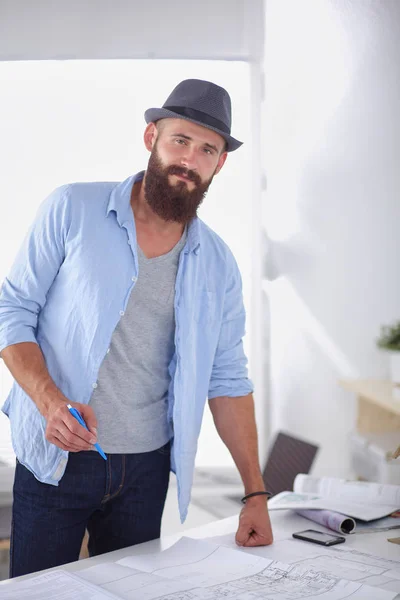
(130, 401)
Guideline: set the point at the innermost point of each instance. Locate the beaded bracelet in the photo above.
(255, 494)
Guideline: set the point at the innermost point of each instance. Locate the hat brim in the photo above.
(155, 114)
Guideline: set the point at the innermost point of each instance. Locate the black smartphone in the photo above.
(319, 537)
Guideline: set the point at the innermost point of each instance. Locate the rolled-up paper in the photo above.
(332, 520)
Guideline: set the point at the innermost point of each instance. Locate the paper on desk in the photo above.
(54, 585)
(188, 565)
(384, 524)
(350, 564)
(127, 583)
(201, 563)
(357, 510)
(207, 570)
(330, 519)
(104, 572)
(222, 572)
(350, 491)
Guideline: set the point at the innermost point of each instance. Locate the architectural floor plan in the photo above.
(200, 570)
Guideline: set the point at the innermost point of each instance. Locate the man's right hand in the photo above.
(63, 429)
(27, 365)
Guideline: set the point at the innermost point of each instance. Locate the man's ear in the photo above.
(221, 162)
(150, 136)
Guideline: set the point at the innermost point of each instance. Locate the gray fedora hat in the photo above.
(201, 102)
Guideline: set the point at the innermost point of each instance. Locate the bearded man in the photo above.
(124, 305)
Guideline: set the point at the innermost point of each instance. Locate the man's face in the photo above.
(184, 159)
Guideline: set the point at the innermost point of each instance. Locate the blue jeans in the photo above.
(119, 501)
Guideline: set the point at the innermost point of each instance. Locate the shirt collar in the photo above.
(120, 198)
(120, 203)
(193, 236)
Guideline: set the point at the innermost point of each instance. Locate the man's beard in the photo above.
(173, 202)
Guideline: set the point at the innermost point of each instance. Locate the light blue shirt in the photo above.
(68, 289)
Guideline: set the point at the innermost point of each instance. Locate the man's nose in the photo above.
(189, 159)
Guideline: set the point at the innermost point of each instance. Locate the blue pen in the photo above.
(75, 413)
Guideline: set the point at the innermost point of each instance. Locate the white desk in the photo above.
(284, 523)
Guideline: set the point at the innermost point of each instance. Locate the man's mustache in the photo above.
(191, 175)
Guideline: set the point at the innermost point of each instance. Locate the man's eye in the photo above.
(180, 141)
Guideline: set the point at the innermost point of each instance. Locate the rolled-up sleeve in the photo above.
(229, 375)
(24, 290)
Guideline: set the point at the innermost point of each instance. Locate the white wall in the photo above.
(83, 121)
(93, 29)
(332, 140)
(229, 30)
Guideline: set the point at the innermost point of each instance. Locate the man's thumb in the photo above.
(90, 419)
(242, 535)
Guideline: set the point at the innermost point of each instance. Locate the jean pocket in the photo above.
(164, 450)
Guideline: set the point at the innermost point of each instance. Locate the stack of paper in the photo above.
(201, 570)
(336, 503)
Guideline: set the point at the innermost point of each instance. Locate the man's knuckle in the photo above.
(73, 426)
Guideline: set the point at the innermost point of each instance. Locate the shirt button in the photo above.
(121, 312)
(134, 278)
(108, 350)
(94, 385)
(129, 242)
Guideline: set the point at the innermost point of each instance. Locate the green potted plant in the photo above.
(389, 340)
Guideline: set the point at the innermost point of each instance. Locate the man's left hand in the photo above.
(254, 524)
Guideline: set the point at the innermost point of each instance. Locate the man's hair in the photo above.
(160, 124)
